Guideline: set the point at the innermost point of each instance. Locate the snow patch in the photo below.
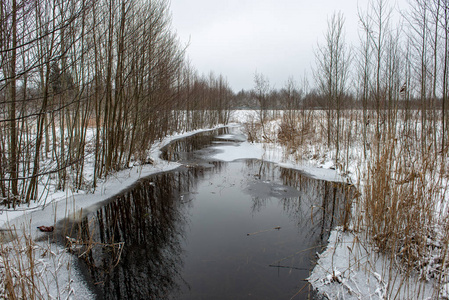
(350, 268)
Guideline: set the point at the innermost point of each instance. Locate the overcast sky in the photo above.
(237, 38)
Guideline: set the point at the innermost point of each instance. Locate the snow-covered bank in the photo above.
(28, 253)
(350, 268)
(273, 153)
(58, 205)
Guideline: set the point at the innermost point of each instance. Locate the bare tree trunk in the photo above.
(12, 110)
(331, 75)
(445, 76)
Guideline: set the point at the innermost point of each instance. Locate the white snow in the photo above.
(350, 269)
(273, 153)
(246, 150)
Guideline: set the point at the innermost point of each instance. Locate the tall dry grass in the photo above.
(23, 263)
(402, 180)
(34, 269)
(405, 203)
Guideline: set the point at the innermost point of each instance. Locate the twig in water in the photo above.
(266, 230)
(296, 253)
(300, 291)
(289, 267)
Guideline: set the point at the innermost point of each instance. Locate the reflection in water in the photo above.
(247, 229)
(334, 208)
(185, 149)
(317, 204)
(133, 248)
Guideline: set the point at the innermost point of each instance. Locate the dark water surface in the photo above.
(210, 230)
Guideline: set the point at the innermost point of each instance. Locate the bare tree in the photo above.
(364, 71)
(418, 20)
(444, 22)
(332, 60)
(262, 91)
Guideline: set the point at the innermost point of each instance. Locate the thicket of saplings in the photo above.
(86, 83)
(92, 81)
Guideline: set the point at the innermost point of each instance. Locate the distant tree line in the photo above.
(282, 99)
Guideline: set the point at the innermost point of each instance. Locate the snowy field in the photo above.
(347, 269)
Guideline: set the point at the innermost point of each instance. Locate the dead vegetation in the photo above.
(31, 269)
(402, 207)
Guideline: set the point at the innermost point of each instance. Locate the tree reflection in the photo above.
(184, 149)
(321, 204)
(318, 206)
(132, 245)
